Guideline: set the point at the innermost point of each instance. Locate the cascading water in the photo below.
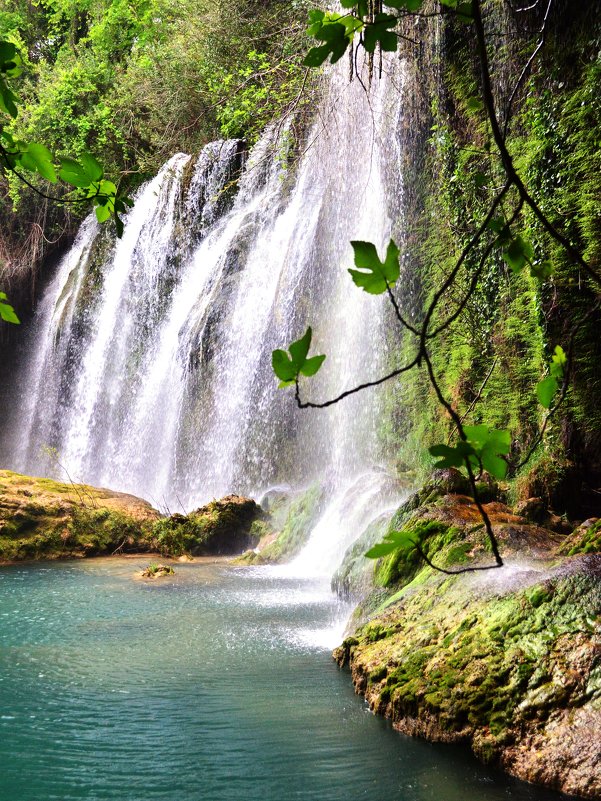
(149, 368)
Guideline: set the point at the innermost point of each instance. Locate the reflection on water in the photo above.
(214, 684)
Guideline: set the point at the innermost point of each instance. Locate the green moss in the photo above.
(100, 531)
(300, 519)
(477, 663)
(585, 539)
(226, 526)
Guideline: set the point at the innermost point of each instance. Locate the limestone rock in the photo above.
(507, 660)
(220, 528)
(45, 519)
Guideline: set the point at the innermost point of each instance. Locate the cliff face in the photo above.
(507, 660)
(489, 361)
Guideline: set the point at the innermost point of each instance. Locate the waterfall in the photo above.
(149, 368)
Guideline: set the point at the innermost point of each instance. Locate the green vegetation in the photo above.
(489, 662)
(302, 514)
(45, 519)
(223, 527)
(127, 84)
(154, 570)
(501, 257)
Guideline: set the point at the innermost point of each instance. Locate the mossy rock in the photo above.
(297, 516)
(584, 539)
(45, 519)
(154, 571)
(221, 528)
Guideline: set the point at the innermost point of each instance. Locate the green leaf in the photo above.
(489, 445)
(377, 32)
(518, 254)
(8, 100)
(119, 227)
(452, 457)
(92, 168)
(545, 390)
(312, 365)
(288, 367)
(7, 313)
(497, 224)
(393, 541)
(38, 158)
(283, 367)
(72, 172)
(102, 213)
(410, 5)
(334, 34)
(316, 56)
(375, 276)
(8, 51)
(481, 437)
(496, 466)
(541, 270)
(300, 349)
(484, 446)
(381, 549)
(558, 362)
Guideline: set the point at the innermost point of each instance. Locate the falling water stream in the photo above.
(148, 371)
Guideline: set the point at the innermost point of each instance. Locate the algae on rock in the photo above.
(45, 519)
(223, 527)
(507, 661)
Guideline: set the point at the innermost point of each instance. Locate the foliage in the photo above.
(289, 366)
(504, 225)
(131, 82)
(17, 155)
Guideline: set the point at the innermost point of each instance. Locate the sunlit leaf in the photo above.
(7, 313)
(375, 276)
(288, 366)
(38, 158)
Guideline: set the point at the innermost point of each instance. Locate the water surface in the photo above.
(216, 685)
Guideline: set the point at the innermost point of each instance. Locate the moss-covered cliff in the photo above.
(489, 360)
(506, 660)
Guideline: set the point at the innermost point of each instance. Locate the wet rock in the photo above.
(507, 660)
(533, 509)
(586, 538)
(292, 517)
(446, 481)
(221, 528)
(157, 571)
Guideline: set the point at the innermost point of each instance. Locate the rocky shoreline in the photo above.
(507, 661)
(45, 519)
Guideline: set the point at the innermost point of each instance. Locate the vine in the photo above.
(365, 23)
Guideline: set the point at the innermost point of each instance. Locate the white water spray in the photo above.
(151, 356)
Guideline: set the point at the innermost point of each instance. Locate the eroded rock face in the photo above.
(507, 661)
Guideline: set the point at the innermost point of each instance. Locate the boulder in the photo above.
(45, 519)
(220, 528)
